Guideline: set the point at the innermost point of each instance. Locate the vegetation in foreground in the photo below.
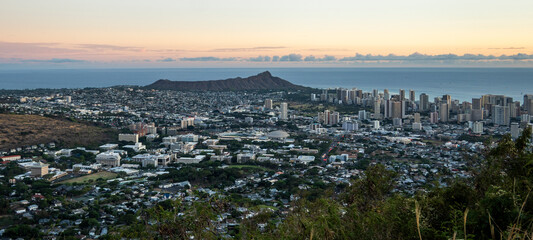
(494, 204)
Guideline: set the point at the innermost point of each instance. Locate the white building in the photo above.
(283, 111)
(501, 115)
(188, 160)
(109, 146)
(169, 140)
(137, 147)
(350, 126)
(362, 115)
(94, 166)
(189, 138)
(477, 127)
(128, 137)
(186, 122)
(305, 159)
(149, 162)
(108, 159)
(375, 124)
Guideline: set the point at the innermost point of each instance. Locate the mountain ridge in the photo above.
(261, 81)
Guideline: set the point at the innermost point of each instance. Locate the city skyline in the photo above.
(79, 34)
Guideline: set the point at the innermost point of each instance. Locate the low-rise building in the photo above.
(108, 159)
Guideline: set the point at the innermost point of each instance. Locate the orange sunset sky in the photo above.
(210, 33)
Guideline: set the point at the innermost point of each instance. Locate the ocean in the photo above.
(460, 83)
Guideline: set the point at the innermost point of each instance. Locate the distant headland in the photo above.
(261, 81)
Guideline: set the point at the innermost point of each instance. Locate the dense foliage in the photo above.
(493, 204)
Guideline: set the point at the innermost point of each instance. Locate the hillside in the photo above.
(25, 130)
(262, 81)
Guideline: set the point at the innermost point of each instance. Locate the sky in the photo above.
(245, 33)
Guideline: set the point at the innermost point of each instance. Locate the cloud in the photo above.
(440, 57)
(109, 47)
(260, 59)
(326, 49)
(510, 48)
(209, 59)
(54, 60)
(264, 48)
(167, 60)
(326, 58)
(291, 58)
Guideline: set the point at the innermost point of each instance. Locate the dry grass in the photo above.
(25, 130)
(94, 176)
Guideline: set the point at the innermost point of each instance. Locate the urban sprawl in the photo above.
(260, 149)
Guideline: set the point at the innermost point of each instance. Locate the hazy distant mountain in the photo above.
(262, 81)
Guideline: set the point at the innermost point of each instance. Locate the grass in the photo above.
(25, 130)
(250, 166)
(259, 207)
(94, 176)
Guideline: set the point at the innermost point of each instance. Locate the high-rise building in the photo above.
(375, 124)
(527, 103)
(324, 95)
(411, 95)
(530, 107)
(362, 115)
(396, 109)
(477, 127)
(402, 94)
(386, 94)
(464, 117)
(501, 115)
(334, 118)
(525, 118)
(404, 108)
(514, 109)
(268, 103)
(344, 96)
(476, 103)
(329, 118)
(477, 114)
(359, 93)
(283, 111)
(375, 93)
(417, 117)
(397, 122)
(424, 102)
(434, 117)
(377, 109)
(515, 130)
(447, 99)
(444, 112)
(352, 95)
(350, 126)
